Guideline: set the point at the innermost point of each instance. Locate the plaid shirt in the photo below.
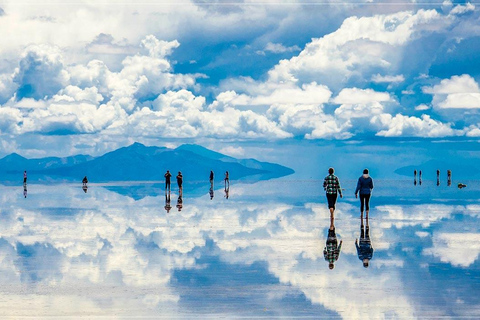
(331, 251)
(332, 185)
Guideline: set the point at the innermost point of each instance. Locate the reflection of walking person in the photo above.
(211, 179)
(167, 176)
(179, 180)
(25, 190)
(331, 184)
(364, 250)
(24, 177)
(168, 206)
(364, 186)
(179, 203)
(332, 248)
(227, 180)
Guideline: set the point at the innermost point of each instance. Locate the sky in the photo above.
(89, 77)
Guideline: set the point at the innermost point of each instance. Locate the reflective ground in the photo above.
(115, 251)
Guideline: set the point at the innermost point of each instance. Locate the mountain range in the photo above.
(138, 162)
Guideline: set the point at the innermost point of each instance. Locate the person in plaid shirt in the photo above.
(332, 248)
(332, 187)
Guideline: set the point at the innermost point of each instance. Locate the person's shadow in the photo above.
(364, 248)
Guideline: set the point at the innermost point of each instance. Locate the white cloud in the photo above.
(422, 107)
(459, 9)
(458, 249)
(400, 125)
(377, 78)
(278, 48)
(233, 151)
(458, 92)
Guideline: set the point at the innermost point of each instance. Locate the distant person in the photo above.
(331, 252)
(414, 177)
(420, 177)
(168, 206)
(179, 203)
(85, 181)
(438, 177)
(24, 177)
(449, 177)
(167, 176)
(25, 190)
(227, 179)
(211, 179)
(179, 180)
(211, 193)
(364, 250)
(331, 185)
(364, 187)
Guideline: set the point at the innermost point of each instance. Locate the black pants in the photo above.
(364, 202)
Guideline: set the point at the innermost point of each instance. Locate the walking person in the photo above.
(180, 181)
(167, 176)
(364, 187)
(25, 177)
(331, 185)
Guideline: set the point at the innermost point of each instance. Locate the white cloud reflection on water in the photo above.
(106, 253)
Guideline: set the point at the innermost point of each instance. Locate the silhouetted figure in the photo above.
(179, 180)
(85, 181)
(449, 178)
(211, 179)
(331, 185)
(168, 206)
(211, 193)
(25, 190)
(227, 191)
(420, 177)
(167, 176)
(85, 188)
(179, 203)
(364, 186)
(438, 177)
(364, 250)
(227, 179)
(331, 252)
(24, 177)
(414, 177)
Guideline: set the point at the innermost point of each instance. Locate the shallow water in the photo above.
(115, 251)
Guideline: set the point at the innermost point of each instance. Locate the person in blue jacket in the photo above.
(364, 186)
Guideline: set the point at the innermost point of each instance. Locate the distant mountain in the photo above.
(139, 163)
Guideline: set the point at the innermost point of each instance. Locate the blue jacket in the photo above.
(364, 185)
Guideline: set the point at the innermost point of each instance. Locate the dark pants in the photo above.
(331, 199)
(364, 202)
(364, 234)
(167, 185)
(332, 237)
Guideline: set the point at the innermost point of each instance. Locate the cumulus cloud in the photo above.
(458, 249)
(377, 78)
(459, 9)
(400, 125)
(458, 92)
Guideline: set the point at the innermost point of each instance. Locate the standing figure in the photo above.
(25, 177)
(438, 177)
(331, 252)
(227, 180)
(167, 176)
(85, 181)
(211, 179)
(449, 177)
(420, 177)
(414, 177)
(364, 186)
(364, 250)
(180, 181)
(331, 185)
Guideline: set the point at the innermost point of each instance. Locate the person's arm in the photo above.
(325, 184)
(371, 183)
(340, 246)
(358, 187)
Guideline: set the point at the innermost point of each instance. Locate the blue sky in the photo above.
(90, 77)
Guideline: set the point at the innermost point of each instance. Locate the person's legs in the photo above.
(367, 205)
(362, 201)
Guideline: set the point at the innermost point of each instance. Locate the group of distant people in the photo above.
(331, 185)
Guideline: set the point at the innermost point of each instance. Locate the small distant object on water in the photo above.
(461, 186)
(25, 177)
(85, 180)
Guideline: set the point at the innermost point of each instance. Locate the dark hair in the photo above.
(365, 171)
(365, 264)
(331, 171)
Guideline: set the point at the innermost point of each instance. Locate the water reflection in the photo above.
(331, 252)
(227, 190)
(259, 250)
(25, 189)
(364, 250)
(167, 206)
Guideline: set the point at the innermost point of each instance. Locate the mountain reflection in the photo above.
(114, 254)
